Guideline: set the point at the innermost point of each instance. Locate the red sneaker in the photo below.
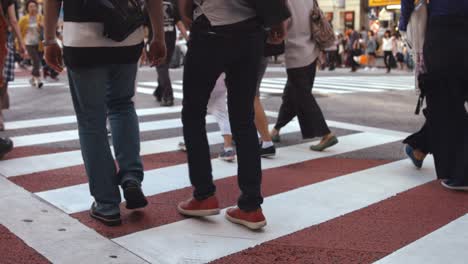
(252, 220)
(193, 207)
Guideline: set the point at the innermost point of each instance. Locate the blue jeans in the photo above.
(99, 93)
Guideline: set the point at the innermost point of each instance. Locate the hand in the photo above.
(22, 51)
(53, 57)
(157, 53)
(278, 33)
(187, 21)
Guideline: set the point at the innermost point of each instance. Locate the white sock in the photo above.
(229, 149)
(267, 144)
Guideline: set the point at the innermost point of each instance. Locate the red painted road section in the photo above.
(60, 178)
(366, 235)
(22, 152)
(14, 251)
(162, 208)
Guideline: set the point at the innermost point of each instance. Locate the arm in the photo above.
(15, 26)
(407, 7)
(53, 53)
(183, 30)
(186, 12)
(157, 52)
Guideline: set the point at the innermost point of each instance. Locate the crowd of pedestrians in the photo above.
(226, 60)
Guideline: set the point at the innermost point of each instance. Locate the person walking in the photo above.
(31, 26)
(354, 49)
(388, 46)
(164, 93)
(226, 36)
(371, 50)
(9, 11)
(102, 74)
(301, 61)
(444, 86)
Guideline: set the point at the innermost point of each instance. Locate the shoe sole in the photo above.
(228, 159)
(464, 188)
(135, 198)
(106, 221)
(268, 155)
(249, 225)
(198, 213)
(325, 148)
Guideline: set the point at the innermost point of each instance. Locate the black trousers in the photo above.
(164, 88)
(446, 92)
(238, 54)
(388, 57)
(420, 140)
(299, 101)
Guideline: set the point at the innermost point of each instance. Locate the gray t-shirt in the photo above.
(224, 12)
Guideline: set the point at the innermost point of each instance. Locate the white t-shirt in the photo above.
(224, 12)
(387, 44)
(300, 51)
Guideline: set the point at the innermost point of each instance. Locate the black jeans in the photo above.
(388, 57)
(299, 101)
(164, 89)
(447, 118)
(238, 54)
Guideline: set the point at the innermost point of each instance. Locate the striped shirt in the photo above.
(84, 42)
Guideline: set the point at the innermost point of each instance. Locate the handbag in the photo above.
(416, 29)
(271, 50)
(120, 17)
(321, 30)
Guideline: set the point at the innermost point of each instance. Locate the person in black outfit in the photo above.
(164, 93)
(226, 36)
(445, 86)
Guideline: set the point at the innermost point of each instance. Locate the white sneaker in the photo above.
(366, 69)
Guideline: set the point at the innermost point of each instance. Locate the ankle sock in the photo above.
(229, 149)
(267, 144)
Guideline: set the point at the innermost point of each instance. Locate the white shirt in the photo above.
(387, 44)
(32, 34)
(224, 12)
(300, 51)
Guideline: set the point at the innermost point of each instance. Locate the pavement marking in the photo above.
(445, 245)
(54, 234)
(63, 120)
(60, 136)
(76, 198)
(205, 240)
(40, 163)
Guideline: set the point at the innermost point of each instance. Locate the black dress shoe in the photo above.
(267, 152)
(6, 145)
(134, 195)
(108, 220)
(167, 102)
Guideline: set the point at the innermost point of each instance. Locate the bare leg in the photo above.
(261, 121)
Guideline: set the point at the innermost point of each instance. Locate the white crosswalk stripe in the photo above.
(324, 85)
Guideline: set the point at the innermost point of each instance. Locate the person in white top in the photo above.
(388, 45)
(301, 60)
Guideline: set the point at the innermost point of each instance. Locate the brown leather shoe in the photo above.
(253, 220)
(194, 207)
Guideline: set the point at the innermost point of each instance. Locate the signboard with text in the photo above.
(383, 2)
(349, 19)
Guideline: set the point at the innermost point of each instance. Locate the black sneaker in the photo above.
(267, 152)
(134, 195)
(6, 145)
(167, 102)
(108, 220)
(157, 95)
(452, 186)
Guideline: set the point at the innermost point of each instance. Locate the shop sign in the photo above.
(383, 2)
(349, 19)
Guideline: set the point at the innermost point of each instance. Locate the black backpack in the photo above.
(120, 17)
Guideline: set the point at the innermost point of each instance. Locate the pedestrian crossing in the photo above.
(305, 193)
(323, 85)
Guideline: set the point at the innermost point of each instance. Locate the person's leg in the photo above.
(287, 111)
(199, 81)
(167, 92)
(261, 120)
(124, 121)
(241, 80)
(88, 90)
(36, 63)
(310, 115)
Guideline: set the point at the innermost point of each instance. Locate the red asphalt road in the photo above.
(14, 251)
